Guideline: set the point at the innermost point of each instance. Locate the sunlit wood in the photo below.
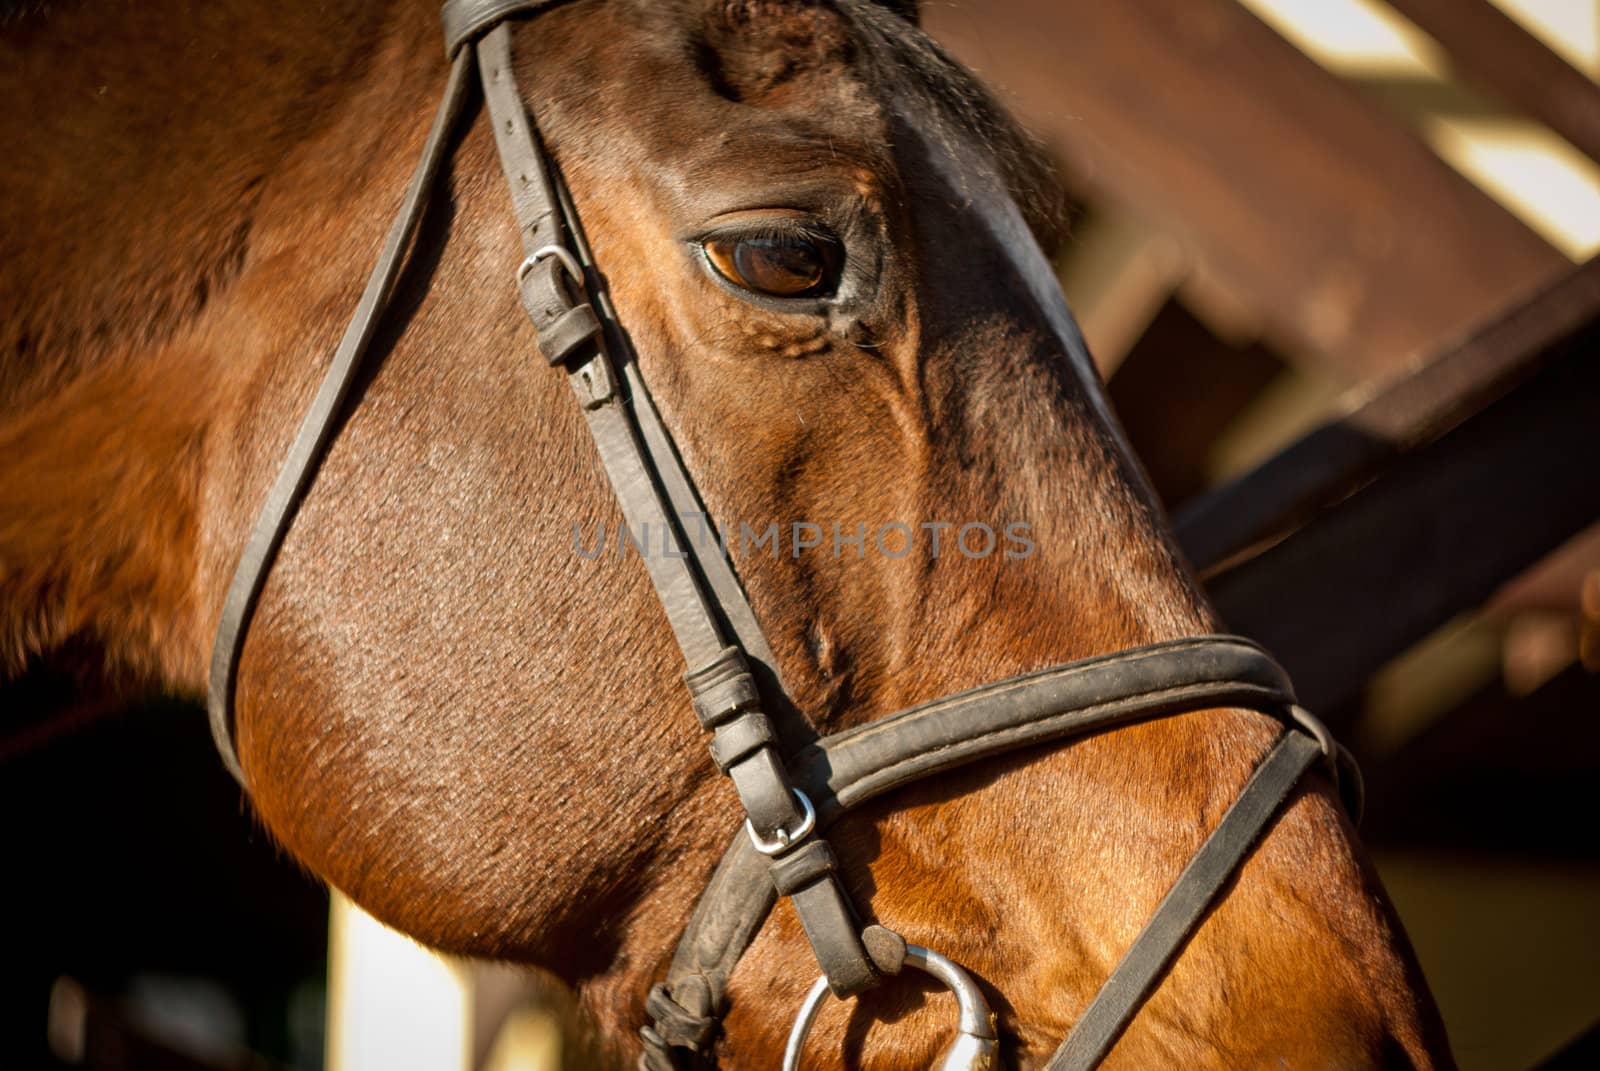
(391, 1002)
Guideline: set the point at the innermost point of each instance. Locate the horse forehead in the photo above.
(672, 78)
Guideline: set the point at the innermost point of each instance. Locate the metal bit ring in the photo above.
(975, 1048)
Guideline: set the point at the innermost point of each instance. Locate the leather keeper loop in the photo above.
(562, 323)
(738, 737)
(721, 688)
(725, 699)
(887, 948)
(763, 788)
(558, 340)
(796, 869)
(546, 292)
(677, 1022)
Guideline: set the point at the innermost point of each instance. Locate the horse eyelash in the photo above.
(772, 230)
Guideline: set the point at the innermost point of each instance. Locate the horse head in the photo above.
(459, 700)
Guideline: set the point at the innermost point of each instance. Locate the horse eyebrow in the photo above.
(910, 61)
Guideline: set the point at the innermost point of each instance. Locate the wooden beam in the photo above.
(1434, 535)
(1568, 582)
(1173, 411)
(1418, 97)
(1117, 273)
(1492, 50)
(1379, 424)
(1340, 228)
(392, 1002)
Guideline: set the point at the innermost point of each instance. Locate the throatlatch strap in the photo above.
(316, 428)
(725, 695)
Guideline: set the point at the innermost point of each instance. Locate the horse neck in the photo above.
(163, 162)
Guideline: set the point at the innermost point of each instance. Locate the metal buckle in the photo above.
(562, 254)
(783, 838)
(976, 1046)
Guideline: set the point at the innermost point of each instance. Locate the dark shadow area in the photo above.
(1497, 774)
(155, 924)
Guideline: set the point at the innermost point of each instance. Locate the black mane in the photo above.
(910, 60)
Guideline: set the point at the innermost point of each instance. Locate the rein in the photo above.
(733, 677)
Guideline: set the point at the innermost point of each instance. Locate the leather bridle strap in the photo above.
(316, 428)
(568, 333)
(1180, 911)
(1050, 706)
(726, 699)
(464, 21)
(705, 545)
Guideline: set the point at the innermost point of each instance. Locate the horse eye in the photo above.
(782, 266)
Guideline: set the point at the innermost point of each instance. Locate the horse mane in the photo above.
(963, 112)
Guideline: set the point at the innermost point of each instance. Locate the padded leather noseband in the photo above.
(733, 679)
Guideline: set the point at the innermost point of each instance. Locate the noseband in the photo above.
(733, 676)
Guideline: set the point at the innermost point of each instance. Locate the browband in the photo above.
(465, 20)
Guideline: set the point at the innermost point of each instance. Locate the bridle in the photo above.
(733, 676)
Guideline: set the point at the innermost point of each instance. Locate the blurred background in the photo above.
(1353, 230)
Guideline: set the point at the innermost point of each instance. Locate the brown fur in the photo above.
(481, 736)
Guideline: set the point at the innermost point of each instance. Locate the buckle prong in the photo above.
(782, 838)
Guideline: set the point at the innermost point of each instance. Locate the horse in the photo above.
(828, 248)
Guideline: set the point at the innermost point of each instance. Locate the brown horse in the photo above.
(479, 734)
